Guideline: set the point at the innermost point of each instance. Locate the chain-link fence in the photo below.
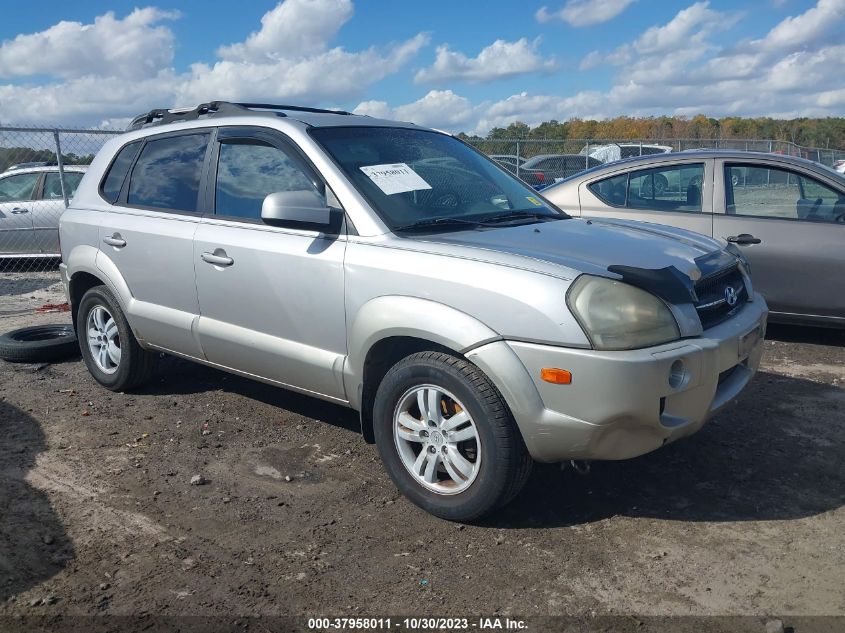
(542, 162)
(39, 171)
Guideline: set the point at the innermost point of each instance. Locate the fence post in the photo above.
(61, 165)
(517, 158)
(587, 157)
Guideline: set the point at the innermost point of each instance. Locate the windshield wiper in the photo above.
(435, 222)
(508, 216)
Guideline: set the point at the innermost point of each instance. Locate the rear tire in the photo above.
(110, 350)
(436, 408)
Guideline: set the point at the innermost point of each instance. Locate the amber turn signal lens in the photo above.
(556, 376)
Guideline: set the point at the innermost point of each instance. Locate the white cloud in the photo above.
(438, 108)
(689, 27)
(584, 12)
(85, 100)
(334, 74)
(293, 29)
(591, 60)
(686, 32)
(534, 109)
(809, 27)
(133, 47)
(496, 61)
(115, 68)
(677, 68)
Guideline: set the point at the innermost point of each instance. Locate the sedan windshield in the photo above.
(424, 180)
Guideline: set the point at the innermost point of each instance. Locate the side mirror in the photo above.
(305, 208)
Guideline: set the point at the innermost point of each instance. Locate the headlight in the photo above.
(617, 316)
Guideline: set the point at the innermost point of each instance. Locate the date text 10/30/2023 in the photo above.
(417, 624)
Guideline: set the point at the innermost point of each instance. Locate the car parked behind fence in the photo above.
(31, 201)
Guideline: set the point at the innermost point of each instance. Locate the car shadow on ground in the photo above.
(33, 543)
(181, 377)
(805, 334)
(776, 455)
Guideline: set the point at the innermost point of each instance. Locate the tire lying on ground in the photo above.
(39, 344)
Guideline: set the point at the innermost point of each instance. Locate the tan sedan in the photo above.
(787, 215)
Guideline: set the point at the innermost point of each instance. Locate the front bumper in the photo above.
(621, 403)
(65, 280)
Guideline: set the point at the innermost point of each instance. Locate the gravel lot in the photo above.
(298, 517)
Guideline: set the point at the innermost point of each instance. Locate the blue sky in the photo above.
(458, 65)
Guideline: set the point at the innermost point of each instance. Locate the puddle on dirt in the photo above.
(289, 464)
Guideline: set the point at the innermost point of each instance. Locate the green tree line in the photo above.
(14, 155)
(827, 133)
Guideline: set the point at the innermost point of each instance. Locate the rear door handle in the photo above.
(115, 240)
(19, 211)
(218, 258)
(743, 239)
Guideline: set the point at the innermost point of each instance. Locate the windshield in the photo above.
(418, 178)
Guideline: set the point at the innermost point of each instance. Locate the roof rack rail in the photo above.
(161, 116)
(292, 108)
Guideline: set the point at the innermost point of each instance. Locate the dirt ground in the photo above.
(298, 516)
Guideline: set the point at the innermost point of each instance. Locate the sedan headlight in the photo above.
(618, 316)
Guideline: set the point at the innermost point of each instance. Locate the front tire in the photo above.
(110, 350)
(447, 438)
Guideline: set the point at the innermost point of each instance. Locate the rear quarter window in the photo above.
(53, 184)
(113, 182)
(612, 190)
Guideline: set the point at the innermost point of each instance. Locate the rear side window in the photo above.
(53, 185)
(672, 188)
(167, 173)
(611, 190)
(113, 182)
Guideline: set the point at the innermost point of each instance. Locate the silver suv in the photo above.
(395, 270)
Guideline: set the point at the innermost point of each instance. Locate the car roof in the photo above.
(629, 144)
(227, 113)
(37, 170)
(544, 156)
(704, 154)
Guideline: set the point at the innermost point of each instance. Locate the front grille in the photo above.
(713, 306)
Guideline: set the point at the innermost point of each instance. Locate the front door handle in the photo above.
(115, 240)
(19, 211)
(743, 239)
(218, 258)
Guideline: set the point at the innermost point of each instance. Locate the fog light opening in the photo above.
(677, 374)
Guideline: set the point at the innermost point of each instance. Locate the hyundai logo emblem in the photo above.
(730, 296)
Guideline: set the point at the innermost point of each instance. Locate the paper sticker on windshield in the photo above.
(395, 178)
(534, 201)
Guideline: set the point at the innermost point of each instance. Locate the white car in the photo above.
(617, 151)
(839, 166)
(31, 202)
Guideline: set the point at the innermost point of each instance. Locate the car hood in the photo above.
(591, 246)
